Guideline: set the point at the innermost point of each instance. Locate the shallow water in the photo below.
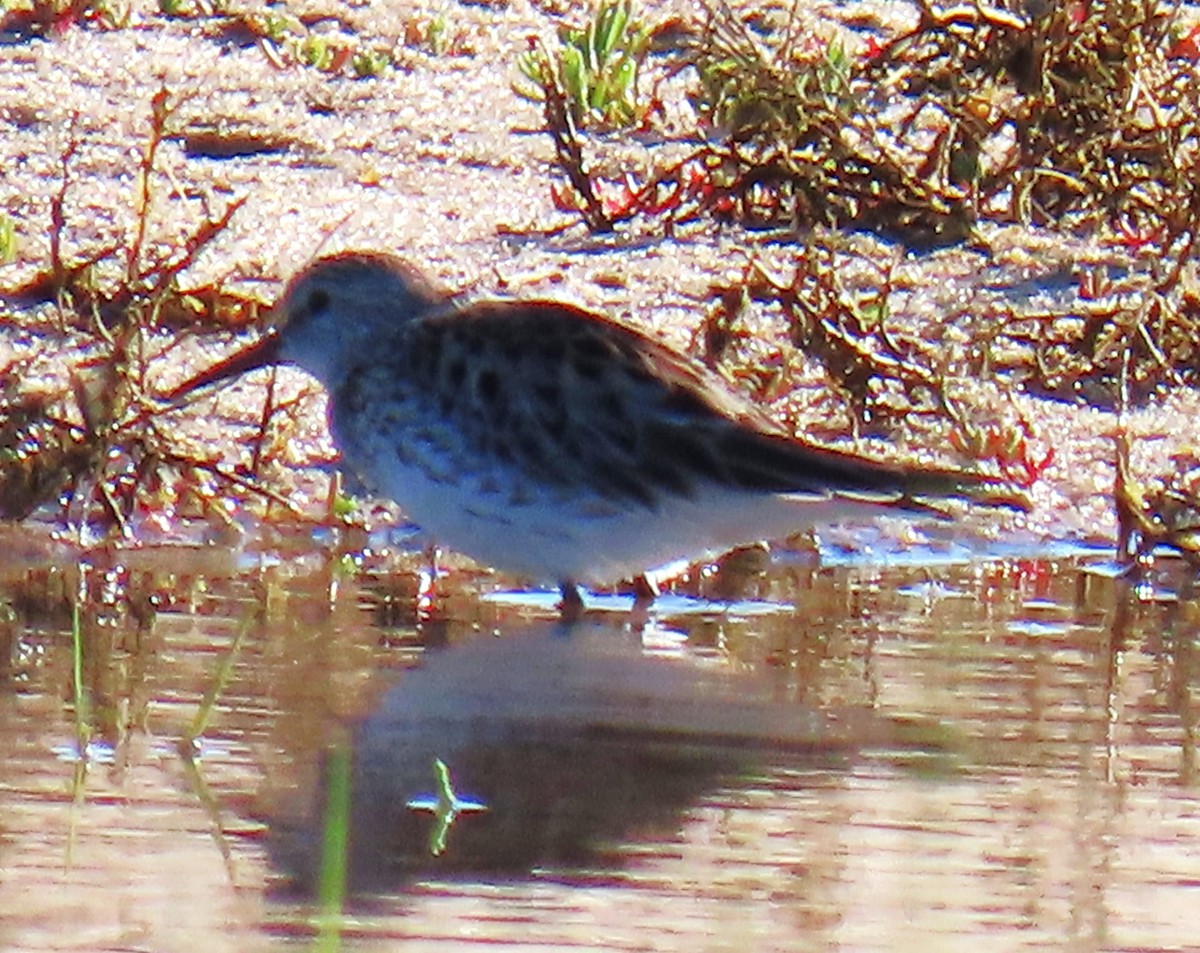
(798, 753)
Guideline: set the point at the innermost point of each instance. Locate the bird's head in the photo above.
(332, 314)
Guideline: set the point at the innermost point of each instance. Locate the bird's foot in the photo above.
(571, 608)
(427, 595)
(645, 591)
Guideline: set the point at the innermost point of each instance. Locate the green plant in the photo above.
(315, 51)
(343, 506)
(437, 35)
(595, 69)
(8, 238)
(276, 27)
(370, 63)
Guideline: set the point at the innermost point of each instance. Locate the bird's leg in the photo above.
(645, 591)
(427, 585)
(571, 607)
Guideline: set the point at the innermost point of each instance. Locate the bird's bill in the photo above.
(263, 353)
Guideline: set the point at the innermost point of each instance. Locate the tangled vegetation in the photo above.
(1076, 117)
(101, 439)
(1079, 117)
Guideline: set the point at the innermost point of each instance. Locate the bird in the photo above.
(551, 441)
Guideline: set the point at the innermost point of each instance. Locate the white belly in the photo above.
(585, 538)
(504, 519)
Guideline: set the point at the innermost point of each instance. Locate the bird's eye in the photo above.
(318, 300)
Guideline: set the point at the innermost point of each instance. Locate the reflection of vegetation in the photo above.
(220, 681)
(106, 700)
(147, 697)
(82, 702)
(83, 722)
(335, 842)
(445, 806)
(1073, 116)
(189, 743)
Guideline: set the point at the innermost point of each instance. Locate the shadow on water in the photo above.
(796, 753)
(572, 742)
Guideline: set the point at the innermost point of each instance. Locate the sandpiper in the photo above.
(543, 439)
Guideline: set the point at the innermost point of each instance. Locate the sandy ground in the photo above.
(440, 161)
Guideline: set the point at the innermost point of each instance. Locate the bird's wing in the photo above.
(572, 398)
